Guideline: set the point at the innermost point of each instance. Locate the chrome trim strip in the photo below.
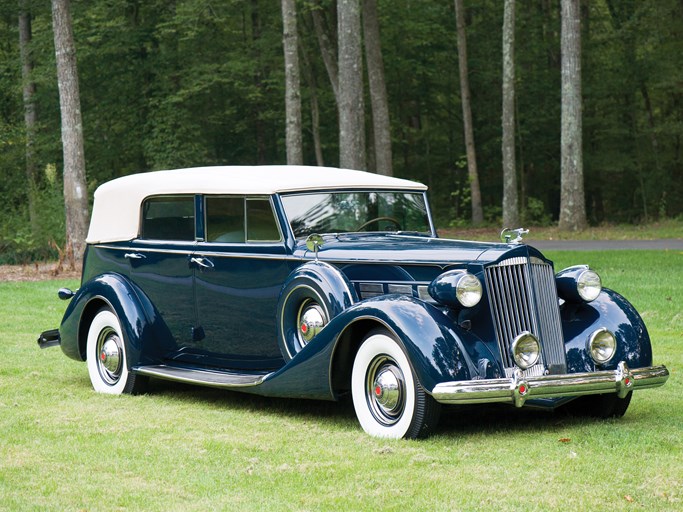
(519, 389)
(199, 249)
(215, 254)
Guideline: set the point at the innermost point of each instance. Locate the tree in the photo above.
(290, 39)
(75, 186)
(328, 51)
(29, 91)
(475, 193)
(351, 105)
(510, 197)
(572, 202)
(378, 89)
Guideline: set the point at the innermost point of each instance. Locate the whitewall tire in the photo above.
(106, 357)
(388, 400)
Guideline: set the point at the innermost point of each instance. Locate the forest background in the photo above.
(168, 84)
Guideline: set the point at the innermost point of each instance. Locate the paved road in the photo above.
(672, 244)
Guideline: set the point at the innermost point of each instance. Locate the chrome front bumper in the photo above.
(518, 389)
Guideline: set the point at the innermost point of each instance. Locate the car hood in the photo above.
(407, 249)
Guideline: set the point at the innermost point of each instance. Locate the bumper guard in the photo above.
(518, 389)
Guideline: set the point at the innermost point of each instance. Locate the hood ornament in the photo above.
(507, 234)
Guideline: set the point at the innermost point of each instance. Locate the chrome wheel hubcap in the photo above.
(109, 356)
(385, 390)
(311, 320)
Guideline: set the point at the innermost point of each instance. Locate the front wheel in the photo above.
(388, 399)
(106, 357)
(600, 406)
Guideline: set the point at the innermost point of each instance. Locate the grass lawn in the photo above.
(63, 447)
(669, 228)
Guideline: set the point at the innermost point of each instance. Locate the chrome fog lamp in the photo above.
(602, 345)
(589, 285)
(526, 350)
(468, 290)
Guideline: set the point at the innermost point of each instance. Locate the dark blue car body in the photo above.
(233, 315)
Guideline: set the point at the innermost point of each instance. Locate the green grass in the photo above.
(63, 447)
(669, 228)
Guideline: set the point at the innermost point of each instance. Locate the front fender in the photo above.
(614, 312)
(433, 343)
(134, 311)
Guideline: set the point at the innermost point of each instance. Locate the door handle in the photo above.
(134, 256)
(202, 262)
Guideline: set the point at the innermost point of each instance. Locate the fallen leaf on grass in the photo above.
(628, 498)
(565, 440)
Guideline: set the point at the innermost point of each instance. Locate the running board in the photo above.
(202, 377)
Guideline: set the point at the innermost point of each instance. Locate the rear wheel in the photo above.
(106, 357)
(387, 397)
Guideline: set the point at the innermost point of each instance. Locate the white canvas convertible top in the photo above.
(116, 208)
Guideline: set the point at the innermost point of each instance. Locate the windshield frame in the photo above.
(423, 193)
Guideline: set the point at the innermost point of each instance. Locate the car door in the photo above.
(240, 267)
(160, 266)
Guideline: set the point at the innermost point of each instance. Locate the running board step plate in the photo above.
(202, 377)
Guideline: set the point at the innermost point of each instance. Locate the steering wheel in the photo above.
(378, 219)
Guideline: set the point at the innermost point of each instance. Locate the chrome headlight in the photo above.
(468, 290)
(589, 285)
(578, 284)
(526, 350)
(602, 345)
(456, 288)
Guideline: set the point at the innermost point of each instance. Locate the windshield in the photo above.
(344, 212)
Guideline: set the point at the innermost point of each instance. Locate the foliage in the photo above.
(193, 82)
(188, 448)
(535, 213)
(19, 243)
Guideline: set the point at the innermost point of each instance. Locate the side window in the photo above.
(168, 218)
(225, 219)
(261, 225)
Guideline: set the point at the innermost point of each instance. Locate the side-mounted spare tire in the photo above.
(313, 295)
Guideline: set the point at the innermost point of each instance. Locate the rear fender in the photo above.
(135, 313)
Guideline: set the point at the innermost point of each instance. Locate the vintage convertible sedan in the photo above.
(310, 282)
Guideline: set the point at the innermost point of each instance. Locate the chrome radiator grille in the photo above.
(523, 297)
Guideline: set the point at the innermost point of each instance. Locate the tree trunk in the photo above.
(477, 212)
(75, 186)
(292, 84)
(29, 91)
(510, 196)
(259, 127)
(378, 89)
(327, 49)
(572, 201)
(309, 77)
(351, 107)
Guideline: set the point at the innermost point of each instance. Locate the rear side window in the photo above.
(168, 218)
(261, 224)
(239, 220)
(225, 219)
